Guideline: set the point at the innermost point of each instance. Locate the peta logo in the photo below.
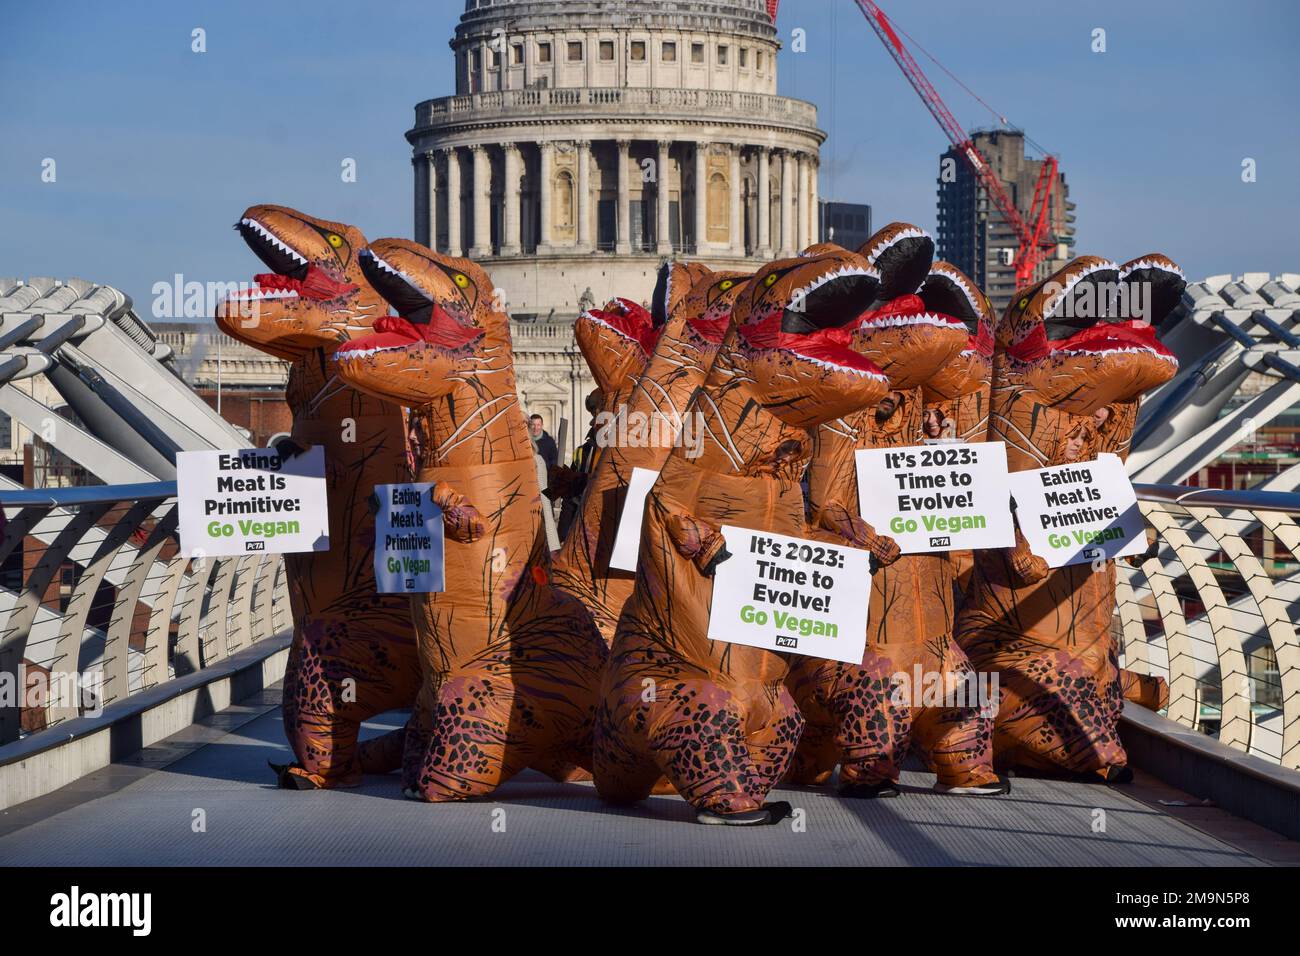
(944, 542)
(103, 909)
(254, 545)
(783, 641)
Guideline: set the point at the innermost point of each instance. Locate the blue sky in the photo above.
(158, 149)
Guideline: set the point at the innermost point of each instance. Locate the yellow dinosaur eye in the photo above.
(770, 280)
(1024, 303)
(334, 239)
(460, 279)
(726, 284)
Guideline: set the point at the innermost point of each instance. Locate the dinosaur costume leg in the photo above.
(956, 739)
(527, 701)
(853, 721)
(341, 673)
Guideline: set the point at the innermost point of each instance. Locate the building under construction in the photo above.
(972, 232)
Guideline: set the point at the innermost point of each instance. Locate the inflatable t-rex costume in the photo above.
(696, 304)
(353, 654)
(1062, 355)
(859, 715)
(511, 665)
(715, 717)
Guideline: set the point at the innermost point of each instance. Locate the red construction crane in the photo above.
(1033, 235)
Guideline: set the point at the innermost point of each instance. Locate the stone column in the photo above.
(814, 207)
(764, 203)
(663, 241)
(737, 236)
(510, 239)
(787, 205)
(801, 202)
(481, 189)
(584, 195)
(431, 158)
(624, 243)
(454, 218)
(701, 196)
(547, 175)
(420, 227)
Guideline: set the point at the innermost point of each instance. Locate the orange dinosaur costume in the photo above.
(713, 717)
(511, 665)
(353, 654)
(865, 716)
(1064, 352)
(691, 309)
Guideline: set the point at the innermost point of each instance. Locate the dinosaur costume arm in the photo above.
(843, 525)
(1028, 566)
(461, 519)
(697, 540)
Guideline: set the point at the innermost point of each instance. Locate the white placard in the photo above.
(937, 497)
(248, 499)
(791, 594)
(1073, 514)
(627, 540)
(408, 540)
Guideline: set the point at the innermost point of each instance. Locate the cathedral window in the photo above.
(638, 50)
(543, 53)
(697, 52)
(669, 51)
(722, 54)
(607, 49)
(575, 51)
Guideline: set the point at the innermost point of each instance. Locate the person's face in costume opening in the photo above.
(933, 423)
(1100, 417)
(888, 405)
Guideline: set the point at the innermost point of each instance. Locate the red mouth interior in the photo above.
(315, 285)
(1102, 337)
(826, 345)
(631, 320)
(903, 307)
(712, 331)
(393, 332)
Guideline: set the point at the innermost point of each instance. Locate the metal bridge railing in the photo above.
(1212, 609)
(97, 603)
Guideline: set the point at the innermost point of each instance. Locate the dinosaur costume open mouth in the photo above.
(949, 293)
(293, 276)
(629, 320)
(814, 322)
(421, 321)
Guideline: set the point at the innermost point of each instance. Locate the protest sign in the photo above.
(250, 499)
(627, 540)
(791, 594)
(937, 497)
(408, 540)
(1073, 514)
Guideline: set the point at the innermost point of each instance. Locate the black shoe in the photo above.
(1000, 786)
(749, 818)
(1119, 775)
(291, 781)
(778, 810)
(868, 791)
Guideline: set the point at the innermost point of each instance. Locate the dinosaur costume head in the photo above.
(315, 296)
(947, 290)
(1084, 338)
(903, 334)
(616, 341)
(790, 322)
(447, 330)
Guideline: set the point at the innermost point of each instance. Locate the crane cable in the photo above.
(952, 76)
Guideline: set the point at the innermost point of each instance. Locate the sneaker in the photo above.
(868, 791)
(999, 786)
